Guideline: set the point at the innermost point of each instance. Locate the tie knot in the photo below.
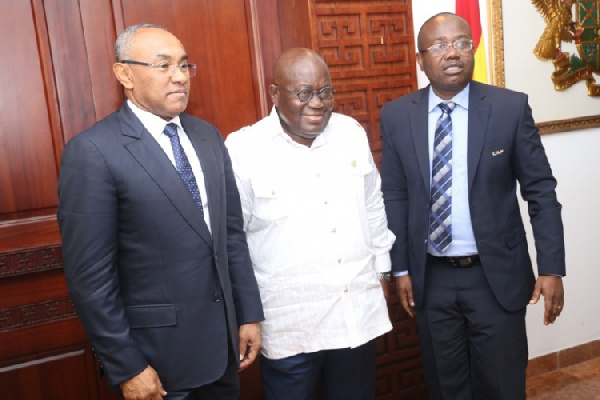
(447, 106)
(171, 130)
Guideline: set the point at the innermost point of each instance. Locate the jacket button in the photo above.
(217, 298)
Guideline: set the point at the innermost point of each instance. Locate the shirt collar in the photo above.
(276, 130)
(153, 123)
(461, 99)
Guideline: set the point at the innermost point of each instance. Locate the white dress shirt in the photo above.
(156, 126)
(317, 232)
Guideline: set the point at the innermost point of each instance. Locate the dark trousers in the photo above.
(225, 388)
(472, 348)
(347, 374)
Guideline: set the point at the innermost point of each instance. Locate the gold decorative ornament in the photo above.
(583, 28)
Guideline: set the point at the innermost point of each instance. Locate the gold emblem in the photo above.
(571, 21)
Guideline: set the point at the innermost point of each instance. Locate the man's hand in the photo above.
(144, 386)
(405, 291)
(551, 287)
(249, 344)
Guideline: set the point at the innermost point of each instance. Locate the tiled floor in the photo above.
(577, 382)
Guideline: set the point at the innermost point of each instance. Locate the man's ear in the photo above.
(123, 74)
(274, 92)
(420, 61)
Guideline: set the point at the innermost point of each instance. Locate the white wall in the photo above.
(572, 156)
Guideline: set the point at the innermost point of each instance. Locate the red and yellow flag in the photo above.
(469, 10)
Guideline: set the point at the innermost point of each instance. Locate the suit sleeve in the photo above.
(395, 192)
(87, 216)
(243, 281)
(382, 238)
(538, 186)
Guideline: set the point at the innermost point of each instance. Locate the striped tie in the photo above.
(440, 224)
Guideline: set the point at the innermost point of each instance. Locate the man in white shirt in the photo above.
(318, 237)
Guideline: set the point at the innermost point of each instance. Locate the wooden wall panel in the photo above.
(100, 33)
(215, 35)
(28, 170)
(48, 96)
(370, 51)
(44, 378)
(70, 63)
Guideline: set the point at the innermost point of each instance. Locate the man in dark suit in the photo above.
(155, 255)
(461, 257)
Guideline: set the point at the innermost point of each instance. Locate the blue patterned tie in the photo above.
(440, 224)
(183, 165)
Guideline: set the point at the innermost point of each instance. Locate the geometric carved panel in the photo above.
(369, 48)
(29, 261)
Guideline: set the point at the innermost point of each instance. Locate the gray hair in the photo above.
(123, 43)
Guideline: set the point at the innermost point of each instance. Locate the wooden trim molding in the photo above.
(563, 358)
(29, 261)
(36, 314)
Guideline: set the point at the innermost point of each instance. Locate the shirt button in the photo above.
(333, 230)
(339, 260)
(345, 289)
(326, 202)
(217, 298)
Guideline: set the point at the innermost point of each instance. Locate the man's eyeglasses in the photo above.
(462, 45)
(305, 95)
(164, 67)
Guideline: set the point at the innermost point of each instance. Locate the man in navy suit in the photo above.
(156, 263)
(470, 293)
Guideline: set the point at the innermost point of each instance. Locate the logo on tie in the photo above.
(183, 165)
(440, 225)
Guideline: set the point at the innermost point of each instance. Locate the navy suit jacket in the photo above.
(150, 283)
(504, 148)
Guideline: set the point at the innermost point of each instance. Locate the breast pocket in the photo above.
(270, 202)
(497, 152)
(350, 177)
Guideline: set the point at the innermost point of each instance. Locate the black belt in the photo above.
(456, 262)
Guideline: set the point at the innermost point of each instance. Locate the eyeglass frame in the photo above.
(445, 46)
(312, 93)
(191, 68)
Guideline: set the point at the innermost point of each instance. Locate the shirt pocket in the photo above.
(270, 203)
(350, 176)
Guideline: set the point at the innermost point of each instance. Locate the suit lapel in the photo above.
(208, 161)
(479, 111)
(418, 128)
(151, 157)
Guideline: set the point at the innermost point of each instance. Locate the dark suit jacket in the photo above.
(150, 284)
(503, 147)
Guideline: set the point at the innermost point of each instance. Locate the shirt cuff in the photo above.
(383, 263)
(400, 273)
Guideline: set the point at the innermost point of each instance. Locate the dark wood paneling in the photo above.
(70, 63)
(28, 172)
(45, 378)
(370, 51)
(100, 34)
(215, 35)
